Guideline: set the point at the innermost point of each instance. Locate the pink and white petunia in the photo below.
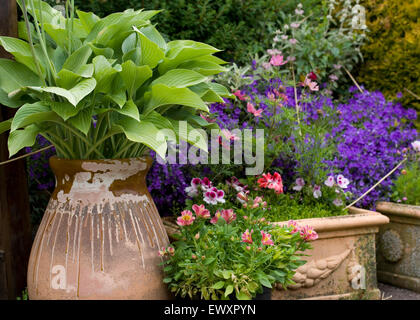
(186, 218)
(342, 181)
(330, 181)
(299, 184)
(317, 191)
(210, 197)
(201, 211)
(192, 191)
(206, 184)
(247, 236)
(266, 239)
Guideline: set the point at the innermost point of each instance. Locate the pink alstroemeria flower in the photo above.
(201, 211)
(247, 236)
(229, 135)
(228, 215)
(294, 225)
(308, 233)
(278, 60)
(266, 239)
(313, 86)
(239, 95)
(186, 218)
(216, 217)
(251, 109)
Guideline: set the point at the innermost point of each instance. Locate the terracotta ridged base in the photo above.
(100, 236)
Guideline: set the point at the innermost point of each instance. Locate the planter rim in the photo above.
(357, 218)
(404, 210)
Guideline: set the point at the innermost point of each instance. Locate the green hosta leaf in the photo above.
(88, 19)
(155, 36)
(49, 15)
(218, 285)
(206, 68)
(21, 51)
(130, 109)
(22, 138)
(64, 109)
(134, 76)
(188, 133)
(106, 52)
(180, 51)
(229, 290)
(118, 93)
(220, 90)
(104, 74)
(144, 132)
(180, 78)
(31, 113)
(151, 54)
(5, 125)
(67, 79)
(158, 120)
(129, 43)
(82, 120)
(163, 95)
(8, 102)
(78, 59)
(58, 34)
(186, 115)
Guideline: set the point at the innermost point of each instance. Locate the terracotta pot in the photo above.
(342, 263)
(398, 246)
(100, 234)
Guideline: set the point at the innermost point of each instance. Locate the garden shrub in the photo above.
(238, 27)
(392, 54)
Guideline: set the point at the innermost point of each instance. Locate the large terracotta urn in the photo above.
(100, 235)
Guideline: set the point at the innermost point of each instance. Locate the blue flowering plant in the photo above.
(100, 88)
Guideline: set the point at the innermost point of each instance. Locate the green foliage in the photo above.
(238, 27)
(24, 295)
(406, 188)
(103, 87)
(212, 261)
(393, 51)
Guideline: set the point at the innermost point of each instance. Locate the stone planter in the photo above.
(398, 246)
(342, 263)
(100, 234)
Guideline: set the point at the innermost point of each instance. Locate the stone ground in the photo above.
(393, 293)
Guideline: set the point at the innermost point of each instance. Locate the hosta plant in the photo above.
(103, 87)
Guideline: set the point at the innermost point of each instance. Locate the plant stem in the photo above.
(93, 148)
(26, 155)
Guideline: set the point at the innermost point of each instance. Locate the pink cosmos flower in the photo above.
(240, 95)
(271, 182)
(333, 77)
(308, 233)
(273, 52)
(342, 181)
(330, 181)
(266, 239)
(294, 25)
(299, 184)
(317, 191)
(228, 215)
(247, 236)
(299, 12)
(266, 65)
(294, 225)
(293, 41)
(416, 145)
(277, 60)
(186, 218)
(284, 37)
(251, 109)
(200, 211)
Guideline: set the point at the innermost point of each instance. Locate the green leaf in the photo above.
(64, 109)
(180, 78)
(21, 51)
(265, 282)
(5, 125)
(78, 59)
(158, 120)
(82, 120)
(151, 54)
(49, 15)
(14, 75)
(129, 109)
(22, 138)
(218, 285)
(104, 74)
(143, 132)
(134, 76)
(163, 95)
(154, 35)
(242, 296)
(31, 113)
(206, 68)
(67, 79)
(188, 133)
(106, 52)
(229, 290)
(227, 274)
(8, 102)
(88, 19)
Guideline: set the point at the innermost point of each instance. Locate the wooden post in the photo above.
(15, 228)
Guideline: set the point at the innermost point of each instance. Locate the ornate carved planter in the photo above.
(342, 263)
(100, 234)
(398, 246)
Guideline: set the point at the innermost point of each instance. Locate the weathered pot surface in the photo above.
(100, 234)
(342, 263)
(398, 246)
